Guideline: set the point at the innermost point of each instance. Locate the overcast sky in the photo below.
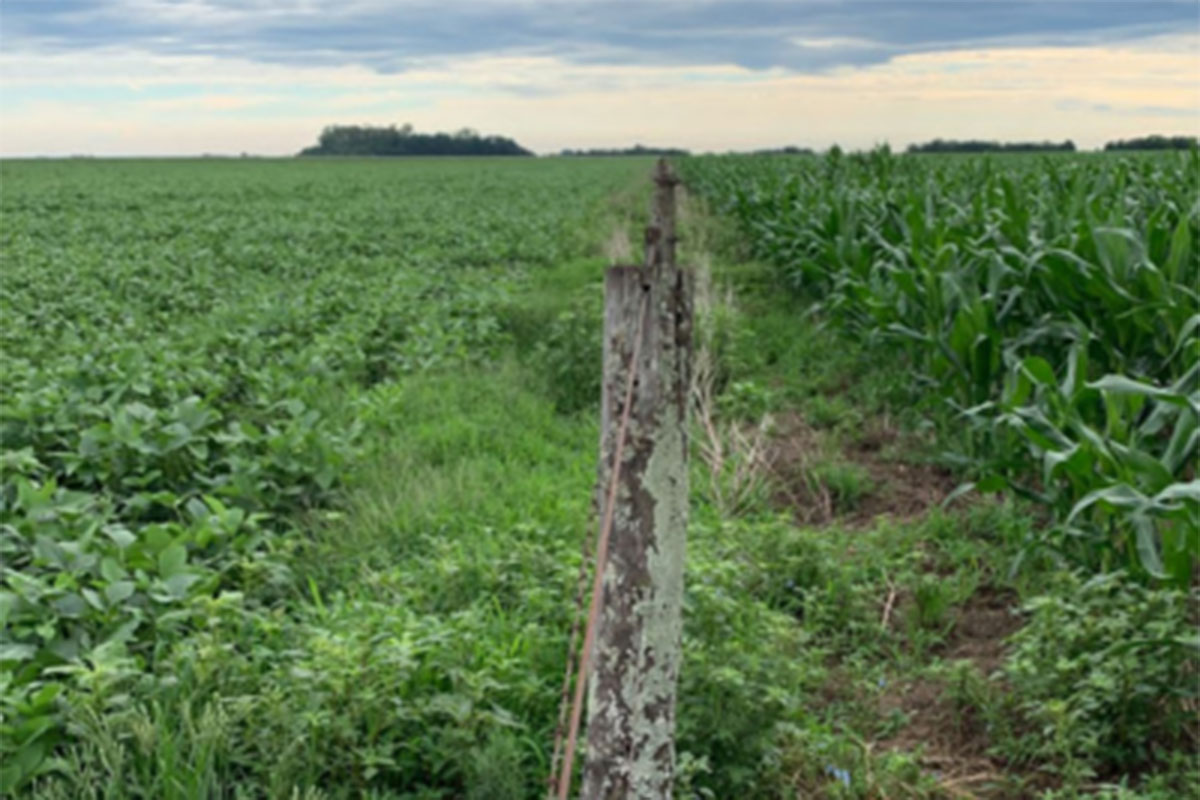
(125, 77)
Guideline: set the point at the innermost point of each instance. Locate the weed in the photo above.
(1105, 671)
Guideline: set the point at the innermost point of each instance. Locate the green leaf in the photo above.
(46, 695)
(29, 587)
(1120, 496)
(1152, 474)
(1147, 546)
(1119, 384)
(1187, 335)
(1188, 492)
(196, 509)
(1184, 444)
(17, 652)
(92, 598)
(23, 765)
(1040, 370)
(111, 570)
(118, 592)
(1074, 460)
(992, 483)
(178, 584)
(959, 491)
(1077, 366)
(172, 560)
(70, 605)
(120, 535)
(1181, 245)
(8, 601)
(122, 634)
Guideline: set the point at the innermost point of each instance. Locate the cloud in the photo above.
(1091, 94)
(386, 36)
(179, 76)
(836, 43)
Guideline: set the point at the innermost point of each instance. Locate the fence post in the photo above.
(631, 691)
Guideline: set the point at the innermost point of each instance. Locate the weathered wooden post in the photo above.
(637, 640)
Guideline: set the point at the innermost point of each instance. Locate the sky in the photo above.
(175, 77)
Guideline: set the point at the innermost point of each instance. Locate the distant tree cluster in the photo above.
(1155, 142)
(367, 140)
(636, 150)
(978, 146)
(789, 150)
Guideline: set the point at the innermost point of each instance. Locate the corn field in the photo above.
(1047, 304)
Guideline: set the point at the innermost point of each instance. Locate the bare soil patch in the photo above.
(896, 488)
(951, 739)
(981, 629)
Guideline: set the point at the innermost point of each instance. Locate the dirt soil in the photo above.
(898, 489)
(982, 626)
(952, 740)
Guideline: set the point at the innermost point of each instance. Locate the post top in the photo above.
(663, 174)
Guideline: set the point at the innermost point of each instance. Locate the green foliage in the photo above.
(845, 481)
(1125, 476)
(288, 506)
(369, 140)
(945, 574)
(434, 665)
(555, 324)
(320, 536)
(1105, 672)
(186, 346)
(827, 763)
(745, 400)
(570, 352)
(1050, 303)
(931, 603)
(746, 667)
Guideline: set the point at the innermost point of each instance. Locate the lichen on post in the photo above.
(636, 660)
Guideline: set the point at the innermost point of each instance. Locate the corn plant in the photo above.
(1050, 303)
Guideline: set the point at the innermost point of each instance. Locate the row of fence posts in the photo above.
(630, 657)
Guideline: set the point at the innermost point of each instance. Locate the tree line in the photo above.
(980, 146)
(786, 150)
(636, 150)
(369, 140)
(1155, 142)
